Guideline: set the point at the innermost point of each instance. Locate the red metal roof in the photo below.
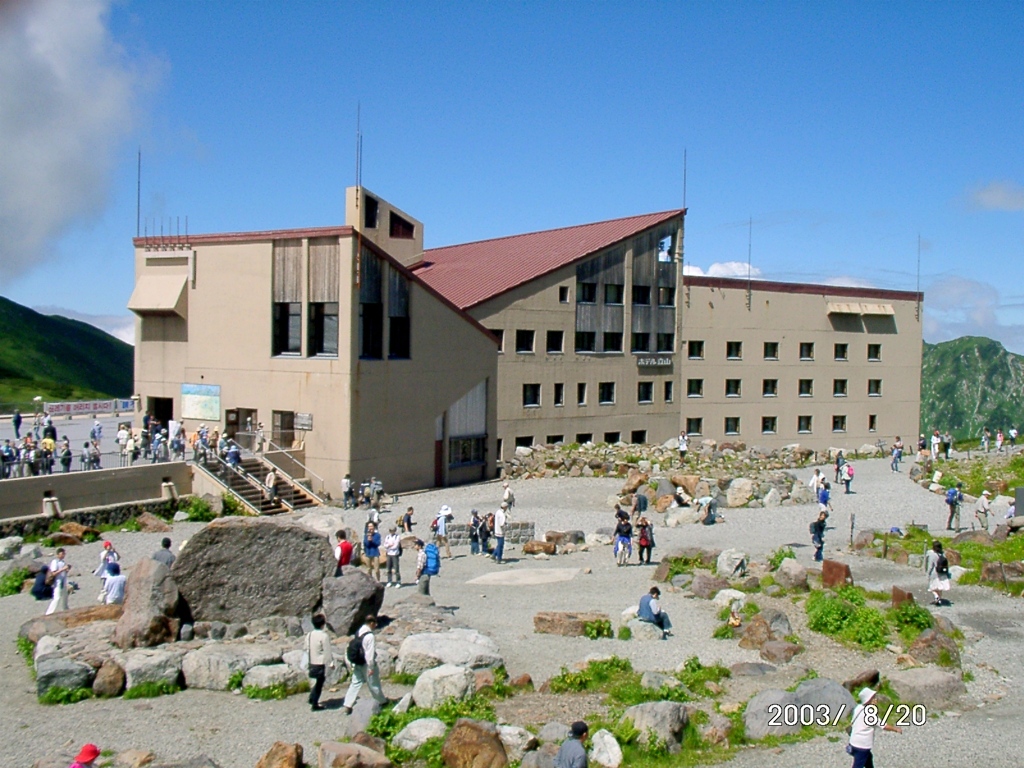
(472, 273)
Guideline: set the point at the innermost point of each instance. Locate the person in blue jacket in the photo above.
(371, 550)
(650, 611)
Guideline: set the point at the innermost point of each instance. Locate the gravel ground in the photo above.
(236, 731)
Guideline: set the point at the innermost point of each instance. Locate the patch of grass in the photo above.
(750, 609)
(615, 677)
(767, 581)
(387, 723)
(278, 691)
(967, 677)
(10, 583)
(782, 553)
(679, 565)
(724, 613)
(794, 639)
(500, 688)
(151, 690)
(197, 509)
(945, 659)
(695, 675)
(597, 629)
(839, 615)
(403, 678)
(27, 649)
(236, 679)
(132, 525)
(724, 632)
(58, 695)
(910, 620)
(810, 674)
(625, 633)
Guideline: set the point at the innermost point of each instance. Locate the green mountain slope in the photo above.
(971, 383)
(59, 358)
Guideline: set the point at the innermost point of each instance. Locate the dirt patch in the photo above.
(536, 709)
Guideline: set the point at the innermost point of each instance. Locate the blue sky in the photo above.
(845, 130)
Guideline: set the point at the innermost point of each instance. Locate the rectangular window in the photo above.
(500, 334)
(586, 293)
(695, 350)
(612, 342)
(666, 296)
(555, 439)
(838, 423)
(806, 350)
(874, 352)
(645, 392)
(641, 342)
(695, 426)
(525, 441)
(734, 350)
(371, 330)
(771, 350)
(803, 424)
(614, 293)
(769, 425)
(839, 387)
(370, 210)
(584, 437)
(400, 228)
(464, 451)
(611, 437)
(874, 387)
(581, 393)
(873, 422)
(323, 328)
(531, 395)
(399, 342)
(554, 345)
(770, 387)
(669, 391)
(666, 342)
(638, 436)
(695, 387)
(524, 342)
(586, 341)
(806, 387)
(732, 387)
(563, 294)
(606, 393)
(559, 395)
(842, 351)
(732, 425)
(642, 295)
(399, 346)
(287, 335)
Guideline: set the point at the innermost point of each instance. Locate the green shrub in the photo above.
(852, 594)
(724, 632)
(945, 659)
(236, 679)
(27, 649)
(841, 617)
(750, 609)
(58, 695)
(151, 690)
(597, 629)
(625, 633)
(10, 583)
(724, 613)
(782, 553)
(197, 509)
(827, 614)
(910, 620)
(231, 506)
(132, 525)
(695, 675)
(403, 678)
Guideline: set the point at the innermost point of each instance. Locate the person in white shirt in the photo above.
(982, 510)
(815, 482)
(500, 518)
(936, 442)
(59, 571)
(862, 729)
(367, 673)
(440, 527)
(318, 648)
(393, 554)
(684, 446)
(114, 585)
(507, 496)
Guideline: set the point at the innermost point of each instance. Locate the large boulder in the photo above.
(349, 599)
(934, 647)
(772, 499)
(150, 523)
(554, 732)
(212, 666)
(605, 750)
(335, 754)
(732, 563)
(150, 665)
(706, 587)
(665, 719)
(150, 603)
(730, 598)
(779, 651)
(791, 575)
(566, 623)
(474, 744)
(62, 672)
(634, 480)
(677, 516)
(928, 686)
(778, 622)
(687, 482)
(419, 732)
(10, 546)
(644, 630)
(363, 711)
(461, 647)
(240, 568)
(825, 696)
(35, 629)
(535, 547)
(756, 633)
(739, 492)
(269, 675)
(761, 717)
(445, 682)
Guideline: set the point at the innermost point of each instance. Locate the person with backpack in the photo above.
(475, 523)
(645, 540)
(817, 529)
(431, 557)
(362, 660)
(954, 498)
(937, 567)
(393, 553)
(847, 474)
(318, 651)
(422, 577)
(371, 550)
(342, 552)
(486, 529)
(440, 528)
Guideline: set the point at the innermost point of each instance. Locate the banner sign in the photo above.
(200, 401)
(89, 407)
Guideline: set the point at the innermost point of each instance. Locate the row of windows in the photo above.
(614, 294)
(734, 351)
(770, 424)
(770, 387)
(321, 329)
(586, 341)
(605, 393)
(636, 436)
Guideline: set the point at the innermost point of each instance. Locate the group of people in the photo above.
(1000, 439)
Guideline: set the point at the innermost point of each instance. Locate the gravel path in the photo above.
(236, 731)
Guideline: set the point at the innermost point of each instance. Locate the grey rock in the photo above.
(267, 675)
(517, 741)
(666, 719)
(823, 694)
(403, 704)
(761, 710)
(150, 603)
(772, 499)
(445, 682)
(706, 587)
(180, 516)
(186, 633)
(30, 551)
(682, 580)
(212, 666)
(349, 599)
(150, 665)
(240, 568)
(928, 686)
(778, 622)
(605, 750)
(218, 629)
(460, 647)
(62, 672)
(732, 563)
(419, 732)
(362, 712)
(772, 590)
(657, 680)
(48, 645)
(554, 732)
(541, 758)
(751, 669)
(10, 546)
(791, 574)
(644, 630)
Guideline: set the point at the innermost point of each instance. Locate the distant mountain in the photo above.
(58, 358)
(971, 383)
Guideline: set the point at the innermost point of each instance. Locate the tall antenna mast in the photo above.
(138, 193)
(750, 241)
(917, 312)
(359, 190)
(684, 178)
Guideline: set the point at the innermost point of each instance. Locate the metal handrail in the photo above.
(245, 476)
(323, 483)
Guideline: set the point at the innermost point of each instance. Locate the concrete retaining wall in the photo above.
(92, 516)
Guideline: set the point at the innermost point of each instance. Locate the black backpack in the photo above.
(942, 566)
(355, 653)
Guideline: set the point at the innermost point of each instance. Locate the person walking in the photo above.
(500, 520)
(318, 650)
(986, 439)
(999, 441)
(896, 454)
(362, 660)
(371, 550)
(16, 423)
(348, 492)
(954, 498)
(475, 523)
(623, 549)
(342, 552)
(817, 529)
(840, 461)
(982, 510)
(825, 498)
(507, 496)
(393, 554)
(58, 575)
(937, 567)
(847, 476)
(644, 540)
(936, 443)
(684, 446)
(815, 482)
(651, 612)
(862, 730)
(572, 753)
(407, 522)
(440, 529)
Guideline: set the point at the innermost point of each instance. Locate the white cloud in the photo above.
(848, 281)
(722, 269)
(66, 102)
(957, 306)
(119, 326)
(998, 196)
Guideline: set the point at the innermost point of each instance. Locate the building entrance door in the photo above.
(239, 425)
(161, 409)
(283, 432)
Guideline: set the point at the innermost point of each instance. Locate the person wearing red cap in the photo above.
(86, 757)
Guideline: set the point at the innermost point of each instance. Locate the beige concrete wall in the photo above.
(718, 315)
(406, 251)
(24, 496)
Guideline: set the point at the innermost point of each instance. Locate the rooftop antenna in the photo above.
(138, 193)
(917, 311)
(750, 241)
(684, 178)
(682, 239)
(359, 191)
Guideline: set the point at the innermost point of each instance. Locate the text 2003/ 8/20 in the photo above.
(900, 715)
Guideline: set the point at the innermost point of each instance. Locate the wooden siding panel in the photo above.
(324, 269)
(287, 270)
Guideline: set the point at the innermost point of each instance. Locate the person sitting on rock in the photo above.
(650, 611)
(41, 588)
(113, 587)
